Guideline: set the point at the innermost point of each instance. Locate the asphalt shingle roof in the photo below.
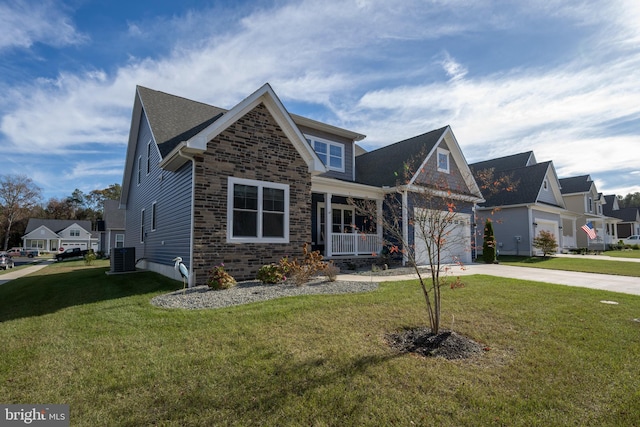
(174, 119)
(114, 218)
(385, 166)
(504, 163)
(576, 184)
(626, 214)
(527, 183)
(55, 225)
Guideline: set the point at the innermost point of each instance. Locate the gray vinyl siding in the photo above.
(547, 196)
(507, 224)
(171, 191)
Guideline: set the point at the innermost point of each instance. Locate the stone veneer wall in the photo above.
(255, 147)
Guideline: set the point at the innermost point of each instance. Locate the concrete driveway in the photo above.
(606, 282)
(14, 274)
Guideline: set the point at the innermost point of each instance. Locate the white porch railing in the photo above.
(355, 244)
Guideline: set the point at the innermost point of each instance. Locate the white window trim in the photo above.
(231, 181)
(311, 139)
(322, 205)
(440, 151)
(119, 240)
(545, 185)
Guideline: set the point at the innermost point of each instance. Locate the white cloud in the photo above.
(454, 70)
(357, 59)
(24, 23)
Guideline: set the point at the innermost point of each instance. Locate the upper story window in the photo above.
(545, 184)
(153, 216)
(74, 232)
(443, 160)
(257, 211)
(148, 157)
(589, 204)
(331, 153)
(139, 170)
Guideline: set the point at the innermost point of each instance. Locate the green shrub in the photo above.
(220, 279)
(271, 274)
(89, 257)
(489, 244)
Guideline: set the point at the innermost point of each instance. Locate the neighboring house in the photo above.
(582, 197)
(111, 228)
(53, 235)
(532, 203)
(629, 218)
(250, 185)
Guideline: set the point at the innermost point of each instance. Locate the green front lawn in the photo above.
(555, 355)
(586, 265)
(635, 253)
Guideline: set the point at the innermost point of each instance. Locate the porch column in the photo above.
(379, 220)
(328, 221)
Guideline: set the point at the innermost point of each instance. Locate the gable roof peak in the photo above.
(512, 161)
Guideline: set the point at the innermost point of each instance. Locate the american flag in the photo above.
(588, 228)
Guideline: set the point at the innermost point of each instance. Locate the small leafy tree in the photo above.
(489, 244)
(434, 223)
(545, 241)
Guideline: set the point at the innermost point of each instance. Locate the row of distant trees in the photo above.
(21, 199)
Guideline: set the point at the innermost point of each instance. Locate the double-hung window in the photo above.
(257, 211)
(139, 180)
(148, 157)
(142, 230)
(153, 216)
(331, 153)
(443, 160)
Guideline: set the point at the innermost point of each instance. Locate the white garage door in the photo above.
(457, 241)
(545, 225)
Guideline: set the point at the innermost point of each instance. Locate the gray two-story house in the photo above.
(532, 203)
(250, 185)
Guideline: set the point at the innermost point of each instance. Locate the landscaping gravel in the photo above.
(201, 297)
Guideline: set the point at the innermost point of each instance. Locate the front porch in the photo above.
(338, 232)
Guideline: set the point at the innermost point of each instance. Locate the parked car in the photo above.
(23, 252)
(632, 240)
(6, 261)
(71, 253)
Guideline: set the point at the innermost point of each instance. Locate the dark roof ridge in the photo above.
(377, 150)
(181, 97)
